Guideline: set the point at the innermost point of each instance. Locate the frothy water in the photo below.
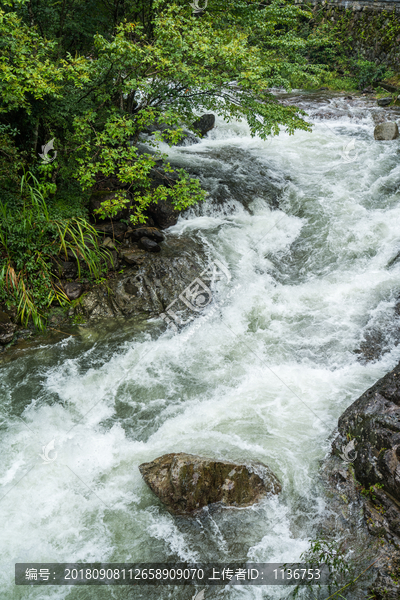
(308, 227)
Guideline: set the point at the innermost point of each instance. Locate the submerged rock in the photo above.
(185, 483)
(386, 131)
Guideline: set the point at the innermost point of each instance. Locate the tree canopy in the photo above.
(95, 76)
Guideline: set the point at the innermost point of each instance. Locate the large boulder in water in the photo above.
(386, 131)
(205, 123)
(185, 483)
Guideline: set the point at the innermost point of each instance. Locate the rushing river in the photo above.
(308, 227)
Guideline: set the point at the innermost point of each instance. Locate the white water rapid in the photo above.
(265, 377)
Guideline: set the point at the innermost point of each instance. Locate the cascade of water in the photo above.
(307, 225)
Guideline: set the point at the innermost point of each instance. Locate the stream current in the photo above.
(308, 226)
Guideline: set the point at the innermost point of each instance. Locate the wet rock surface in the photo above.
(384, 101)
(73, 290)
(150, 232)
(132, 255)
(150, 245)
(7, 329)
(386, 131)
(354, 519)
(374, 422)
(186, 483)
(150, 282)
(205, 123)
(163, 214)
(363, 486)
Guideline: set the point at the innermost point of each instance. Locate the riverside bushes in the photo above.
(32, 238)
(92, 79)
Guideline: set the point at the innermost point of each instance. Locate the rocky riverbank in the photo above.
(362, 481)
(139, 280)
(148, 268)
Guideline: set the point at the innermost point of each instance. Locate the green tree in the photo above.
(97, 76)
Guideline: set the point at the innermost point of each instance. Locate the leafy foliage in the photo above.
(98, 78)
(30, 239)
(367, 73)
(345, 563)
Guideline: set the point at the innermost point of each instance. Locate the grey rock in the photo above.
(372, 423)
(131, 288)
(108, 243)
(7, 329)
(132, 256)
(163, 213)
(186, 483)
(384, 101)
(73, 290)
(386, 131)
(149, 245)
(65, 269)
(205, 123)
(158, 280)
(96, 305)
(150, 232)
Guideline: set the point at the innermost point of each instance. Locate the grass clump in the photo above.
(32, 238)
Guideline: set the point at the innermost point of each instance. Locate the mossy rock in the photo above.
(186, 483)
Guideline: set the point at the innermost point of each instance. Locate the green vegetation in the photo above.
(370, 492)
(94, 77)
(335, 33)
(31, 238)
(346, 566)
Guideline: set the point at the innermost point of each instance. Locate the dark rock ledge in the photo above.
(149, 283)
(364, 495)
